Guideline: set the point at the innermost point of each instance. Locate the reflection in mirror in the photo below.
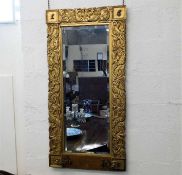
(86, 88)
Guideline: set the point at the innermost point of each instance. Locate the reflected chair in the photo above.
(91, 106)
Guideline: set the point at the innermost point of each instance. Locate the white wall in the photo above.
(10, 37)
(11, 78)
(7, 126)
(153, 87)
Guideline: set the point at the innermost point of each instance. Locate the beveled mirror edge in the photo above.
(115, 16)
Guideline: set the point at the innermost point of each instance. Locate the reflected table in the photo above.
(94, 137)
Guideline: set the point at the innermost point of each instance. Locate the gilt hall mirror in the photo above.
(87, 102)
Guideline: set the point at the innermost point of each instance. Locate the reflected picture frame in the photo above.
(115, 18)
(99, 56)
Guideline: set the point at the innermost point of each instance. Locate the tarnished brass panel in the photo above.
(52, 16)
(119, 13)
(115, 17)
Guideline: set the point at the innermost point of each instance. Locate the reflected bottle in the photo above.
(75, 116)
(68, 113)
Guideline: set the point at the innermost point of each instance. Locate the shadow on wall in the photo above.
(5, 173)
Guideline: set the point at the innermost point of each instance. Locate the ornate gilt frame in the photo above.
(115, 17)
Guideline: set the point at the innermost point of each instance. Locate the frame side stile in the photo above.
(118, 96)
(55, 126)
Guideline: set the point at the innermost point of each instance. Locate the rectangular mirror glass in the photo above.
(86, 88)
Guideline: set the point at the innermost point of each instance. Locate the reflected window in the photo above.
(84, 65)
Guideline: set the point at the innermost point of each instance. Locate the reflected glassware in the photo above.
(75, 107)
(81, 116)
(75, 122)
(82, 112)
(68, 113)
